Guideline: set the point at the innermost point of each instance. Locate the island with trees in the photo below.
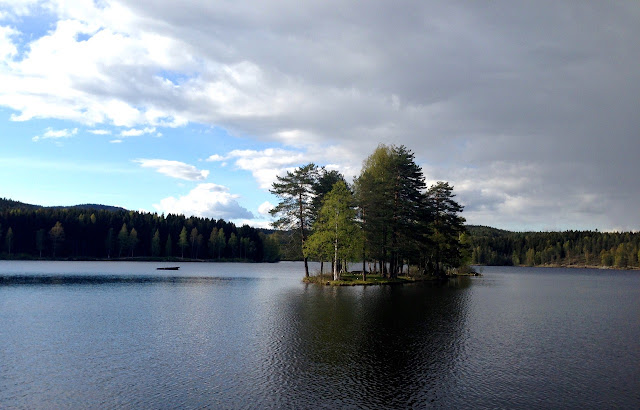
(387, 219)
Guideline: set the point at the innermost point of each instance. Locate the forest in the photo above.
(490, 246)
(388, 219)
(103, 232)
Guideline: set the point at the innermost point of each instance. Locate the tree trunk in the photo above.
(364, 269)
(336, 276)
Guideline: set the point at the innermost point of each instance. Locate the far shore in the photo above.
(125, 259)
(571, 266)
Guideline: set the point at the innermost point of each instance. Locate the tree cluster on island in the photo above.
(100, 232)
(388, 219)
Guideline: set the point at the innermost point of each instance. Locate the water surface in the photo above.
(111, 334)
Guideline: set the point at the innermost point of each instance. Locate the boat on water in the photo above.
(169, 268)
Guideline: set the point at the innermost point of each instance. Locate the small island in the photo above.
(387, 219)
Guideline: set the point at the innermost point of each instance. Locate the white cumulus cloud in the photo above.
(206, 200)
(265, 165)
(265, 207)
(216, 158)
(175, 169)
(100, 132)
(55, 134)
(137, 132)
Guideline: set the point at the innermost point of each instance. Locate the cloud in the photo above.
(265, 165)
(216, 158)
(174, 169)
(7, 48)
(492, 87)
(100, 132)
(265, 208)
(206, 200)
(137, 132)
(55, 134)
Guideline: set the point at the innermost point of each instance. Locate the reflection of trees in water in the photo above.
(379, 346)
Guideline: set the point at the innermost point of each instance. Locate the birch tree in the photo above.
(336, 229)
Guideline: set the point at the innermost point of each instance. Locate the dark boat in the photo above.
(169, 268)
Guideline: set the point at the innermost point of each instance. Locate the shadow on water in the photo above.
(366, 346)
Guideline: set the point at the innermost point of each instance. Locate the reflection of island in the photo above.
(375, 346)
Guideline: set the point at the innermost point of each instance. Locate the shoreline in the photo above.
(355, 279)
(559, 265)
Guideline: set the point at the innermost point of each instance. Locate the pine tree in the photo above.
(446, 225)
(295, 210)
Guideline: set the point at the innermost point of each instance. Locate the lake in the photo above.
(117, 334)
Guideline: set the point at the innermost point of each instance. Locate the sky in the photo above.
(530, 109)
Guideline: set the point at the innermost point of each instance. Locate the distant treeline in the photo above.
(99, 232)
(490, 246)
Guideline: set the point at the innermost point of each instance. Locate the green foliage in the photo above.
(193, 240)
(123, 240)
(336, 234)
(233, 245)
(295, 210)
(390, 219)
(271, 247)
(133, 240)
(182, 240)
(446, 227)
(155, 243)
(580, 248)
(56, 234)
(168, 247)
(40, 241)
(8, 240)
(93, 233)
(401, 223)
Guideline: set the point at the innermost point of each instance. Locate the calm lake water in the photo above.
(113, 334)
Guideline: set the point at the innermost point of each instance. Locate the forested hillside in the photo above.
(103, 232)
(492, 246)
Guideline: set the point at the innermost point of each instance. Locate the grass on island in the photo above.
(355, 279)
